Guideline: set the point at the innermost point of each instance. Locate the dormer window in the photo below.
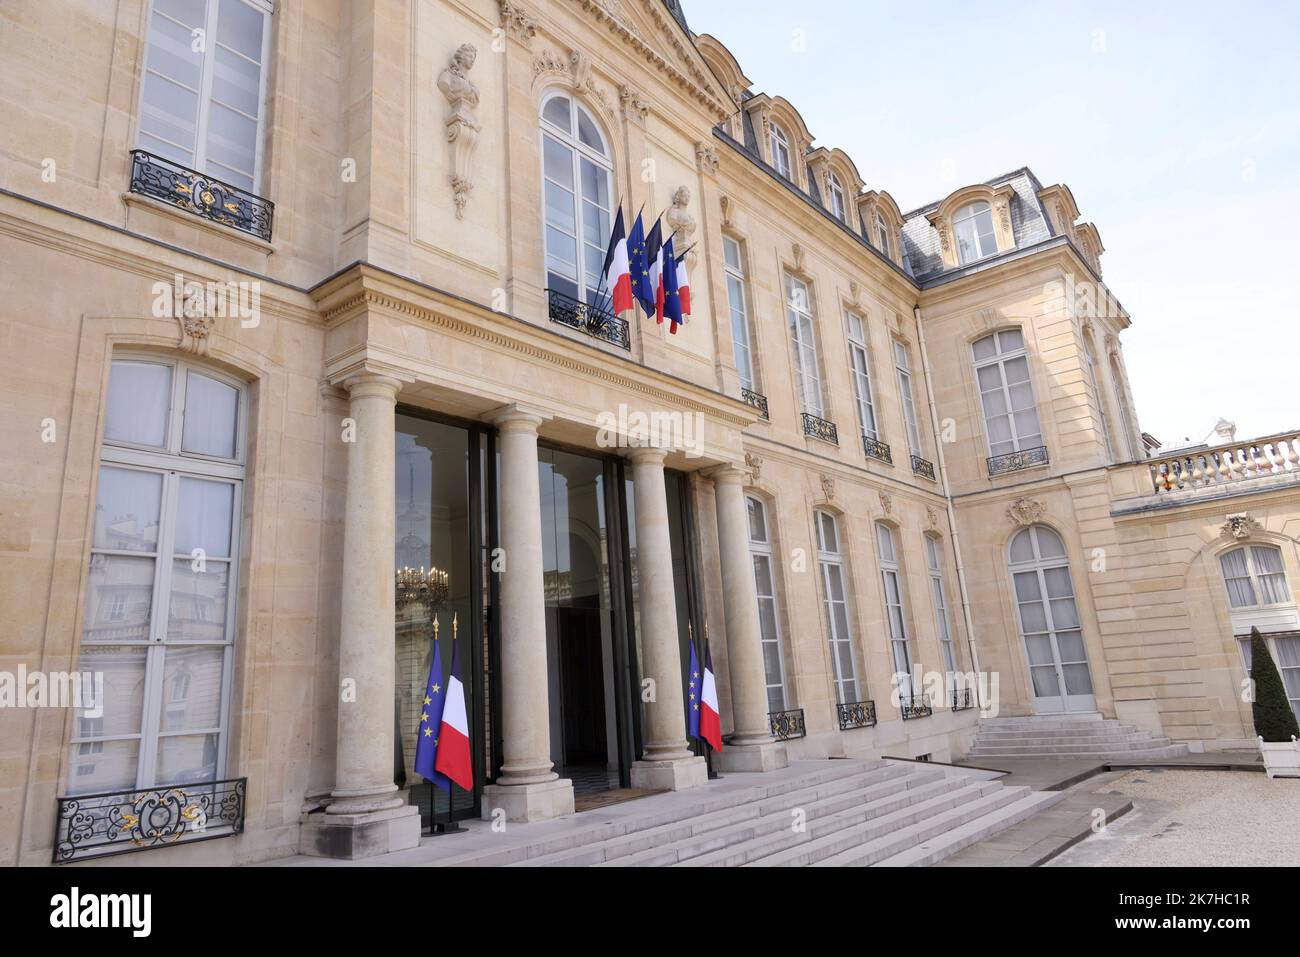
(973, 227)
(835, 190)
(882, 235)
(780, 151)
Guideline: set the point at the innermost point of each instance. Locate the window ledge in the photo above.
(137, 200)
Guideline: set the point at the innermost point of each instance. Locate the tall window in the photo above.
(882, 235)
(935, 565)
(835, 601)
(903, 366)
(1090, 360)
(1126, 422)
(1049, 618)
(203, 93)
(734, 266)
(860, 367)
(973, 227)
(798, 304)
(836, 191)
(760, 548)
(577, 172)
(781, 152)
(1286, 654)
(1006, 394)
(900, 649)
(1255, 577)
(160, 600)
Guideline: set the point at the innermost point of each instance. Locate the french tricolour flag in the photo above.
(618, 273)
(702, 701)
(453, 739)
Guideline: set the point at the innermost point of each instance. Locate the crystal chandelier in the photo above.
(429, 587)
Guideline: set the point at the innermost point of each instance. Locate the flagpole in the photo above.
(451, 826)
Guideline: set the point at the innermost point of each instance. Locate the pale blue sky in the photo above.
(1176, 126)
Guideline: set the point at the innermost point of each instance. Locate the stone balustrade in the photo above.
(1272, 456)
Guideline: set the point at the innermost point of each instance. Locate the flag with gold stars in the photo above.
(435, 696)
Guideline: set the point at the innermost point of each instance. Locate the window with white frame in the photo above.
(935, 565)
(1285, 650)
(760, 549)
(203, 95)
(734, 268)
(891, 578)
(1048, 615)
(1255, 577)
(830, 562)
(1090, 360)
(860, 369)
(160, 599)
(882, 235)
(803, 337)
(903, 367)
(577, 176)
(780, 151)
(1006, 393)
(973, 227)
(836, 190)
(1126, 422)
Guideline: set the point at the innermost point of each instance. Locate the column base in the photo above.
(355, 836)
(676, 775)
(768, 756)
(529, 802)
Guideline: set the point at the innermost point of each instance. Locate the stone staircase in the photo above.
(837, 813)
(1086, 736)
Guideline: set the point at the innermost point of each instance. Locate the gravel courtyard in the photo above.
(1196, 819)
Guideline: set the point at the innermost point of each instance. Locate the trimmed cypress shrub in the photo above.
(1274, 719)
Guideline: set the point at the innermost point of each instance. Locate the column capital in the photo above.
(372, 384)
(728, 473)
(518, 417)
(647, 455)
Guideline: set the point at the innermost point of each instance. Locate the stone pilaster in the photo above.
(528, 789)
(666, 760)
(751, 747)
(367, 815)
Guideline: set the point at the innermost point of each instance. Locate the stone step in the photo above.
(736, 852)
(948, 843)
(752, 818)
(1145, 754)
(1072, 744)
(906, 831)
(805, 849)
(1052, 721)
(1089, 734)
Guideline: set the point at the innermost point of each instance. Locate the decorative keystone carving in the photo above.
(1239, 527)
(755, 464)
(632, 103)
(828, 486)
(727, 206)
(682, 222)
(931, 518)
(798, 256)
(517, 22)
(462, 122)
(1026, 511)
(706, 158)
(887, 503)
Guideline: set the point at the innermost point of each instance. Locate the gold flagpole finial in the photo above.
(435, 626)
(455, 625)
(690, 630)
(706, 631)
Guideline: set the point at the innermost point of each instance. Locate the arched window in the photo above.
(780, 152)
(1049, 622)
(160, 598)
(935, 565)
(760, 549)
(973, 227)
(1006, 393)
(891, 578)
(577, 177)
(830, 563)
(1254, 577)
(882, 235)
(836, 191)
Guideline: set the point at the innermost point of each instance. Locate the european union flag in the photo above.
(435, 696)
(672, 291)
(694, 691)
(642, 291)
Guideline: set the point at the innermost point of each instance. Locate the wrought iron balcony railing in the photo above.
(876, 449)
(856, 714)
(787, 724)
(119, 822)
(200, 194)
(922, 468)
(962, 699)
(1015, 461)
(915, 706)
(596, 323)
(820, 428)
(757, 401)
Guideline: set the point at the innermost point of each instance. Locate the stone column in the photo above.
(666, 760)
(528, 789)
(752, 747)
(367, 815)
